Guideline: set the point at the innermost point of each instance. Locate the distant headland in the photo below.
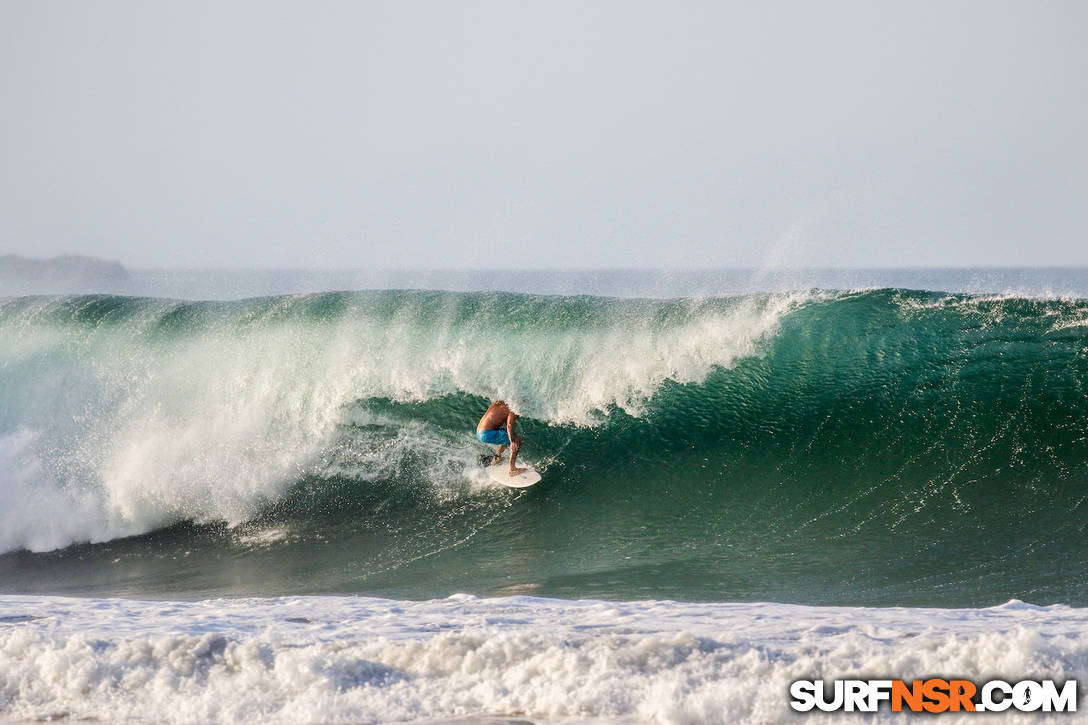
(68, 274)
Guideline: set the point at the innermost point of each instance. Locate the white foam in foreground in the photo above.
(347, 659)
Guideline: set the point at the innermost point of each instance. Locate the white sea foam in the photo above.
(195, 412)
(345, 659)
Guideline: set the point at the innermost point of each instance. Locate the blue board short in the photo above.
(496, 437)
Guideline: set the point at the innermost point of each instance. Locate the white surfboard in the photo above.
(501, 474)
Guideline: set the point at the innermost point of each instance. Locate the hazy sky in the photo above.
(550, 134)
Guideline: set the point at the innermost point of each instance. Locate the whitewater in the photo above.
(271, 508)
(352, 660)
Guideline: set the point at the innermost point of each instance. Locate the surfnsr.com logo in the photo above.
(934, 695)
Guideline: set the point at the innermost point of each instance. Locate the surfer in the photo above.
(496, 428)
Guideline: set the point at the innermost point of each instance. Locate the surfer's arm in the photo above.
(510, 418)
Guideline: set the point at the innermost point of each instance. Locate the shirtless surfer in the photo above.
(496, 428)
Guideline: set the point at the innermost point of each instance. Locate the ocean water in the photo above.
(748, 479)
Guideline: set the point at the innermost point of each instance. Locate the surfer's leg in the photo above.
(498, 455)
(514, 446)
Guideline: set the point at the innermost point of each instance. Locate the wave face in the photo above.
(886, 446)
